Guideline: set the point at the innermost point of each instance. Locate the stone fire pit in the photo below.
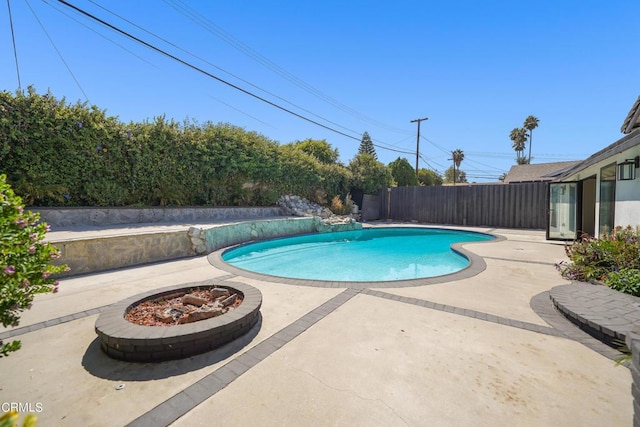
(123, 340)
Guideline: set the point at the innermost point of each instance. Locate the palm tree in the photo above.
(530, 123)
(518, 136)
(457, 156)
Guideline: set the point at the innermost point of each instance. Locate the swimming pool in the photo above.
(368, 255)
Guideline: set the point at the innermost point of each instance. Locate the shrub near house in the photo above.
(613, 259)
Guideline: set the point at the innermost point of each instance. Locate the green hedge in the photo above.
(60, 154)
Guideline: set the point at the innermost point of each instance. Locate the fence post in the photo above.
(388, 216)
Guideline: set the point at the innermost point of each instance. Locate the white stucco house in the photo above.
(601, 192)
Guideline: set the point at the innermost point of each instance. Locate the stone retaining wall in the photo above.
(106, 253)
(77, 217)
(212, 239)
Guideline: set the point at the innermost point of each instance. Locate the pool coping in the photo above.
(476, 266)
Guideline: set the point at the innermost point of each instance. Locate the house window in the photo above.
(607, 198)
(627, 170)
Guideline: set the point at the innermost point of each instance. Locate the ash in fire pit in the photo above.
(180, 308)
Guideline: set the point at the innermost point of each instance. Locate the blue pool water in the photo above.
(369, 255)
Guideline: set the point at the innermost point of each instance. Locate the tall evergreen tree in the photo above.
(366, 146)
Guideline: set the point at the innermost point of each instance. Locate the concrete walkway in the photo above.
(484, 350)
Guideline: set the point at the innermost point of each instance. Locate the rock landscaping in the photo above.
(309, 218)
(299, 206)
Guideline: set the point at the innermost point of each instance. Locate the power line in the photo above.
(547, 156)
(241, 112)
(394, 148)
(219, 68)
(101, 35)
(208, 74)
(508, 155)
(439, 147)
(432, 161)
(430, 166)
(483, 164)
(402, 140)
(210, 26)
(57, 51)
(200, 70)
(13, 39)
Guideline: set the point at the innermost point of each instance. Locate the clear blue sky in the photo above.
(475, 69)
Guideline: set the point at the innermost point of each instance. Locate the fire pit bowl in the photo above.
(123, 340)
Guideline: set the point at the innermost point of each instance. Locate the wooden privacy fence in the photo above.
(508, 205)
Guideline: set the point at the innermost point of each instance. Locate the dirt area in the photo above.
(184, 307)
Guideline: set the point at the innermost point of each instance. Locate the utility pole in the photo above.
(454, 170)
(418, 142)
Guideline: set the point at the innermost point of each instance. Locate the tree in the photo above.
(518, 137)
(369, 175)
(402, 172)
(320, 149)
(530, 123)
(366, 146)
(429, 177)
(457, 156)
(461, 176)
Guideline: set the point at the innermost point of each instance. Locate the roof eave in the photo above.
(610, 150)
(632, 120)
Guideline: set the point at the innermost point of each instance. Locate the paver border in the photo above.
(123, 340)
(176, 406)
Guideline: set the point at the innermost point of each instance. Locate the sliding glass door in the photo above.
(607, 199)
(563, 211)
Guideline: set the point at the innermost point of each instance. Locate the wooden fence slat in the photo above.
(508, 206)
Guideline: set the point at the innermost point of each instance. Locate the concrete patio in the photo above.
(484, 350)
